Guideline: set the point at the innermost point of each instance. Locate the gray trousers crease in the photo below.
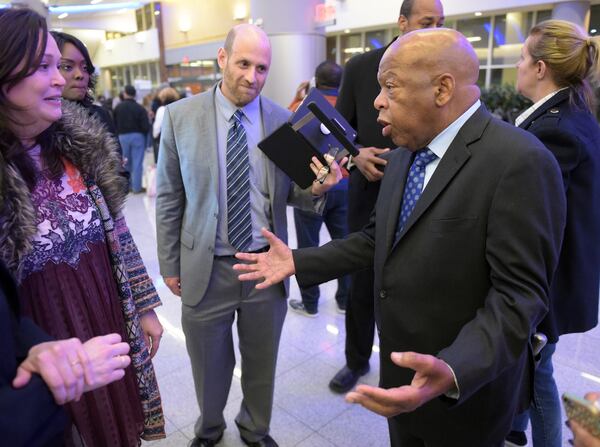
(209, 340)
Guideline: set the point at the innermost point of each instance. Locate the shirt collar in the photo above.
(527, 113)
(226, 108)
(329, 91)
(440, 144)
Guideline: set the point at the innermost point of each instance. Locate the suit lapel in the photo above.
(268, 129)
(399, 174)
(455, 157)
(207, 143)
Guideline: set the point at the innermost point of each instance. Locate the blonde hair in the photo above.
(168, 95)
(571, 56)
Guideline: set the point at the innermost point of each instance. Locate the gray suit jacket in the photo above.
(187, 205)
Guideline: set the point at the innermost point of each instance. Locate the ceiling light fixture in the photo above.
(239, 12)
(140, 37)
(79, 9)
(64, 15)
(95, 2)
(185, 24)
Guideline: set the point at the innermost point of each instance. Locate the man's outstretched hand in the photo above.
(272, 267)
(432, 379)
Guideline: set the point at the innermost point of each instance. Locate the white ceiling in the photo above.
(80, 2)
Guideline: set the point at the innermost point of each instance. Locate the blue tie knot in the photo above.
(424, 157)
(237, 117)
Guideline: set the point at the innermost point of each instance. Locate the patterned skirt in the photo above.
(83, 302)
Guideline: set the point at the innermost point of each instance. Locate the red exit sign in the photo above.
(325, 14)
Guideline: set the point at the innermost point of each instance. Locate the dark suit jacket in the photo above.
(355, 102)
(28, 416)
(469, 277)
(573, 136)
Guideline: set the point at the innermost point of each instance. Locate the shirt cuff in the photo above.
(350, 163)
(453, 393)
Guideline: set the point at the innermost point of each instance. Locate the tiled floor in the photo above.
(306, 412)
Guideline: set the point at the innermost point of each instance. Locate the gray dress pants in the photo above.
(208, 331)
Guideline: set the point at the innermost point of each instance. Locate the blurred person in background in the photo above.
(558, 62)
(133, 125)
(165, 97)
(116, 101)
(63, 235)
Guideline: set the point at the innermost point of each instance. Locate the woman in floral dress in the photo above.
(63, 235)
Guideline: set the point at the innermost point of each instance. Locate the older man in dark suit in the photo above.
(463, 241)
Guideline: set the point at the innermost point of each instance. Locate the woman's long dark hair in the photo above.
(61, 40)
(23, 39)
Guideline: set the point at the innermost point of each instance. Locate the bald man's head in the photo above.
(245, 60)
(428, 79)
(438, 50)
(245, 30)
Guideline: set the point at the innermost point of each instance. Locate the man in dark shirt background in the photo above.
(355, 102)
(131, 120)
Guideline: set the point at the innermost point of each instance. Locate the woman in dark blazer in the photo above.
(557, 63)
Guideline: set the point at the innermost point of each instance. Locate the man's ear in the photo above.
(444, 86)
(402, 24)
(222, 58)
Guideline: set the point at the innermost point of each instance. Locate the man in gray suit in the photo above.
(216, 190)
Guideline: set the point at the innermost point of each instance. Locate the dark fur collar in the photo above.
(84, 141)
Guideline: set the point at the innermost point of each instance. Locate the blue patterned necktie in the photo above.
(414, 186)
(239, 221)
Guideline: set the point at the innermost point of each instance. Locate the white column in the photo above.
(576, 11)
(298, 46)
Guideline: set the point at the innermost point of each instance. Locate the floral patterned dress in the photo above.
(68, 289)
